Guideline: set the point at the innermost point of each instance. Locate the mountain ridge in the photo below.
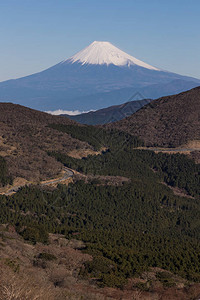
(25, 138)
(67, 85)
(169, 121)
(118, 97)
(109, 114)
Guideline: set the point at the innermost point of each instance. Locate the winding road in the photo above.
(68, 173)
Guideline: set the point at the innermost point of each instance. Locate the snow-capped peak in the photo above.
(99, 53)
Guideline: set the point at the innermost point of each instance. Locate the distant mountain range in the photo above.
(98, 76)
(109, 114)
(170, 121)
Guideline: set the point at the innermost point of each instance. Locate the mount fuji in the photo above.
(98, 76)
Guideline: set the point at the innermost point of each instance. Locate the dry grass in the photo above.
(15, 287)
(193, 145)
(25, 137)
(17, 182)
(101, 179)
(80, 153)
(177, 191)
(41, 279)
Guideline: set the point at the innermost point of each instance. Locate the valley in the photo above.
(108, 208)
(119, 199)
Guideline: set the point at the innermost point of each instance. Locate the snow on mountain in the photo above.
(104, 53)
(98, 76)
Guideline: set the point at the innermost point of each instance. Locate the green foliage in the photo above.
(5, 178)
(143, 286)
(166, 279)
(46, 256)
(98, 266)
(99, 137)
(112, 280)
(35, 234)
(175, 170)
(105, 271)
(128, 228)
(12, 264)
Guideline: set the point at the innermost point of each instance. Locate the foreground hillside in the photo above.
(25, 137)
(156, 203)
(168, 121)
(135, 211)
(49, 272)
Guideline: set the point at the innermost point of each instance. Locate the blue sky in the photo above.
(36, 34)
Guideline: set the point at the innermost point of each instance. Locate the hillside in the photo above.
(170, 121)
(117, 222)
(49, 272)
(109, 114)
(137, 212)
(25, 137)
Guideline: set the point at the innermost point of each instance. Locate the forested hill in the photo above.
(151, 220)
(168, 121)
(25, 137)
(127, 229)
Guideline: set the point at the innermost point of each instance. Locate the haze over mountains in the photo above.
(98, 76)
(109, 114)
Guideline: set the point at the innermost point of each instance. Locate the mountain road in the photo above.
(67, 174)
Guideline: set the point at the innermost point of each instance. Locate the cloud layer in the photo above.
(67, 112)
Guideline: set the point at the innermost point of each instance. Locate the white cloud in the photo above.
(67, 112)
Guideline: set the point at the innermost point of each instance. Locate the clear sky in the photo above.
(36, 34)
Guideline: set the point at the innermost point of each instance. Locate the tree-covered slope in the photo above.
(5, 178)
(25, 137)
(128, 228)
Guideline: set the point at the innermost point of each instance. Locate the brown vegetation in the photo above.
(169, 121)
(48, 272)
(25, 137)
(101, 179)
(178, 192)
(80, 153)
